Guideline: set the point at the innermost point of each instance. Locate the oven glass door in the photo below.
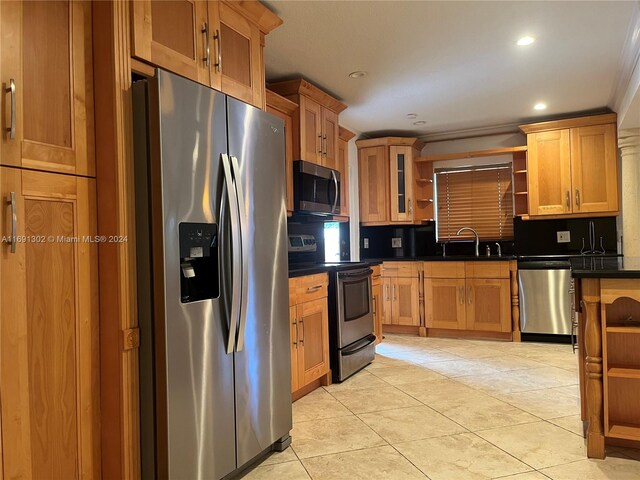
(355, 312)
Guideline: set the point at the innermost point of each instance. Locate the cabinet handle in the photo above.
(302, 339)
(461, 295)
(11, 90)
(568, 200)
(470, 295)
(577, 198)
(387, 290)
(325, 145)
(14, 221)
(295, 324)
(320, 138)
(314, 289)
(216, 37)
(410, 207)
(375, 306)
(205, 31)
(394, 292)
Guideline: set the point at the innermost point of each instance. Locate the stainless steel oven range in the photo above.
(351, 338)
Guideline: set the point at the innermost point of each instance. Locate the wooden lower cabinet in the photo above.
(400, 301)
(309, 322)
(445, 303)
(49, 355)
(376, 293)
(469, 302)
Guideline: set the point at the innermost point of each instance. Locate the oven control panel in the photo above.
(302, 243)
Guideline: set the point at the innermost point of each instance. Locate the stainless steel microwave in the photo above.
(316, 189)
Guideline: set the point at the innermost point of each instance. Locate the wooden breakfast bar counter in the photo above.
(607, 305)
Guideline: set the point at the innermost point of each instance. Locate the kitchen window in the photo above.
(480, 197)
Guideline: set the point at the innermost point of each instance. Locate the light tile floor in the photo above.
(448, 409)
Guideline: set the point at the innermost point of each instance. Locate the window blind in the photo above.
(476, 197)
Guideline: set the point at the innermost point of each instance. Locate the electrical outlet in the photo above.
(564, 236)
(365, 243)
(396, 242)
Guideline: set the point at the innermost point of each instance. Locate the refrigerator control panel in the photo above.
(199, 277)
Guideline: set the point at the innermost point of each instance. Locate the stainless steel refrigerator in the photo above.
(215, 368)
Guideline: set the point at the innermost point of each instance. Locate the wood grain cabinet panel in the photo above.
(344, 136)
(373, 174)
(46, 53)
(594, 169)
(310, 131)
(445, 303)
(49, 360)
(405, 301)
(401, 181)
(376, 292)
(313, 321)
(488, 305)
(330, 139)
(295, 347)
(549, 172)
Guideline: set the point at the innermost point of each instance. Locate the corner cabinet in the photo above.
(49, 344)
(216, 43)
(572, 167)
(47, 81)
(396, 184)
(309, 325)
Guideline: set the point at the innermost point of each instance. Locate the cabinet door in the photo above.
(343, 167)
(237, 67)
(295, 341)
(387, 300)
(49, 358)
(406, 304)
(46, 51)
(401, 179)
(310, 131)
(444, 303)
(594, 169)
(549, 173)
(488, 305)
(373, 173)
(329, 139)
(313, 324)
(376, 291)
(173, 35)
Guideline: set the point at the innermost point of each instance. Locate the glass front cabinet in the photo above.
(402, 201)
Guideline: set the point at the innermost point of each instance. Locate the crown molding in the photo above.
(629, 61)
(471, 132)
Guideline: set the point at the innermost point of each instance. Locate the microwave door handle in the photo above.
(235, 243)
(335, 200)
(244, 275)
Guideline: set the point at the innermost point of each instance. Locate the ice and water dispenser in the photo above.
(199, 278)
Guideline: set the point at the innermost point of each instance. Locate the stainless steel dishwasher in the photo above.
(545, 300)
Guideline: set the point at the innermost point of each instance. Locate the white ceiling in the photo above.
(455, 64)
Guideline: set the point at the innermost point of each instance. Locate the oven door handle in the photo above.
(359, 273)
(370, 339)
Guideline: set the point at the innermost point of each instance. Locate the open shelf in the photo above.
(627, 431)
(624, 372)
(622, 328)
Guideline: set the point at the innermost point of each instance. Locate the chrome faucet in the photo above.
(477, 239)
(499, 249)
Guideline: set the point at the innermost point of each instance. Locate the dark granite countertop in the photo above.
(440, 258)
(301, 272)
(605, 267)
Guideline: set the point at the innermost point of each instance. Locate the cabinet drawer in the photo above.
(444, 269)
(309, 287)
(399, 269)
(487, 269)
(376, 271)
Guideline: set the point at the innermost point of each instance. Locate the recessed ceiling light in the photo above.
(358, 74)
(420, 122)
(524, 41)
(411, 116)
(540, 106)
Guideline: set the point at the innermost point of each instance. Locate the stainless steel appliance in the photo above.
(545, 301)
(316, 189)
(351, 338)
(302, 243)
(213, 293)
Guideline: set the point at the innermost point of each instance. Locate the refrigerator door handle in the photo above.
(244, 275)
(235, 241)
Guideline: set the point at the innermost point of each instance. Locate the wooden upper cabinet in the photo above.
(173, 35)
(572, 166)
(49, 356)
(549, 171)
(373, 174)
(344, 136)
(594, 169)
(316, 122)
(401, 183)
(488, 305)
(216, 43)
(46, 54)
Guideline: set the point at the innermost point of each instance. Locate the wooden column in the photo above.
(422, 330)
(114, 175)
(593, 366)
(515, 300)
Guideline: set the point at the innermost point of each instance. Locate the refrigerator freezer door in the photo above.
(198, 377)
(262, 359)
